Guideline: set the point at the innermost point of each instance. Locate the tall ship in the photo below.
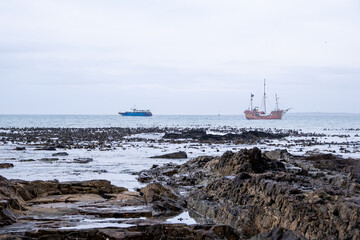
(136, 113)
(253, 113)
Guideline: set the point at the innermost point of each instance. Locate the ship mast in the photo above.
(264, 97)
(251, 102)
(277, 103)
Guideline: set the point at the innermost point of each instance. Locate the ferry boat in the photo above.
(253, 113)
(136, 113)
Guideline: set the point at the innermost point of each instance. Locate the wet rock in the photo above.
(19, 148)
(83, 160)
(201, 135)
(27, 160)
(49, 148)
(6, 165)
(175, 155)
(49, 159)
(192, 133)
(60, 154)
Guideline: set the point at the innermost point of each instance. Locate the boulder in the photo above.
(163, 199)
(175, 155)
(6, 165)
(19, 148)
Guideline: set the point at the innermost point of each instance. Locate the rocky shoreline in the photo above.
(243, 194)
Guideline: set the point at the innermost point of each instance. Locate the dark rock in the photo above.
(192, 133)
(279, 234)
(143, 231)
(19, 148)
(6, 215)
(201, 135)
(83, 160)
(49, 159)
(27, 160)
(45, 149)
(60, 154)
(6, 165)
(251, 161)
(175, 155)
(163, 199)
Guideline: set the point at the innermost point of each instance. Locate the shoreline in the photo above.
(159, 189)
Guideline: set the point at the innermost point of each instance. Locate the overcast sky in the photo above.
(178, 56)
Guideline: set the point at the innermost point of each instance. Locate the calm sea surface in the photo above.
(308, 122)
(118, 164)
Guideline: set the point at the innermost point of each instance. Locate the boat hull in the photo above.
(254, 115)
(136, 114)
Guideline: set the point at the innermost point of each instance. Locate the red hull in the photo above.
(255, 115)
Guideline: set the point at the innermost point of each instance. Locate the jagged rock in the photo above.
(143, 231)
(279, 234)
(163, 199)
(254, 193)
(175, 155)
(32, 189)
(6, 215)
(9, 201)
(6, 165)
(245, 160)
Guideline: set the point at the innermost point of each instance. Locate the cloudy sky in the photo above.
(178, 56)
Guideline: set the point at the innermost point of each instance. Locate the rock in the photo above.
(175, 155)
(19, 148)
(201, 135)
(10, 201)
(163, 199)
(6, 165)
(82, 160)
(143, 231)
(60, 154)
(31, 189)
(192, 133)
(49, 159)
(27, 160)
(45, 149)
(256, 194)
(251, 161)
(279, 234)
(6, 215)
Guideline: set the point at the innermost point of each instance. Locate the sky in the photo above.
(178, 56)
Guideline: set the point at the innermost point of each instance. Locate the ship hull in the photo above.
(135, 114)
(254, 115)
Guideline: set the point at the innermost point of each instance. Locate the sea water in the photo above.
(308, 122)
(119, 165)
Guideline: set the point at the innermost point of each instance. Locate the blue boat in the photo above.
(136, 113)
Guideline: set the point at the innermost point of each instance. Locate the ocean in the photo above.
(307, 122)
(119, 164)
